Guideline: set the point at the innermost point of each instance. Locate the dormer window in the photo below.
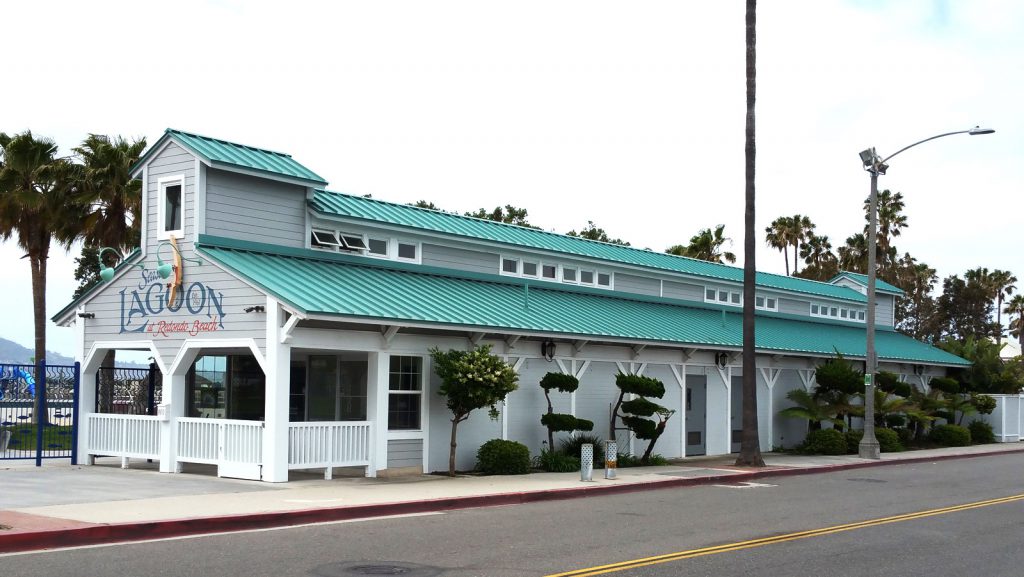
(170, 203)
(324, 239)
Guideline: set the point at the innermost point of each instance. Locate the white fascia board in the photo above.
(118, 273)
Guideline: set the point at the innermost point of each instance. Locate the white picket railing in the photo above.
(1007, 419)
(235, 446)
(125, 436)
(314, 445)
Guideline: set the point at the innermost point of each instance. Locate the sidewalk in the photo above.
(59, 505)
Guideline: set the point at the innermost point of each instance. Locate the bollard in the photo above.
(611, 455)
(587, 462)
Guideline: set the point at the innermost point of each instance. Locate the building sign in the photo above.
(196, 308)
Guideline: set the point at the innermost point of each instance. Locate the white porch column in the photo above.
(174, 402)
(278, 381)
(86, 400)
(378, 366)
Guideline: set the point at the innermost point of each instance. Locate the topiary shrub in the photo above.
(501, 457)
(984, 404)
(945, 384)
(637, 409)
(853, 437)
(951, 435)
(889, 441)
(981, 433)
(558, 422)
(824, 442)
(573, 446)
(555, 462)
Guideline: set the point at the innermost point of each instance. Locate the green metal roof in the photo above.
(226, 153)
(356, 207)
(356, 287)
(880, 285)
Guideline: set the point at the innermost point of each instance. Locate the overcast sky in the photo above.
(628, 114)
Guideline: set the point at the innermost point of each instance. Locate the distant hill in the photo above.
(12, 352)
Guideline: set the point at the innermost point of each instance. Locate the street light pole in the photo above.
(869, 448)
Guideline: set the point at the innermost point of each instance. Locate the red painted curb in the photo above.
(141, 531)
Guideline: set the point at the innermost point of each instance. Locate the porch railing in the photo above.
(125, 436)
(216, 441)
(330, 444)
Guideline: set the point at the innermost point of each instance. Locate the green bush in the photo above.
(640, 385)
(501, 457)
(945, 384)
(625, 460)
(555, 462)
(981, 433)
(983, 403)
(853, 437)
(824, 442)
(889, 441)
(895, 421)
(563, 422)
(951, 435)
(573, 446)
(906, 436)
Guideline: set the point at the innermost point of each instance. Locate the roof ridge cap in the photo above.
(229, 142)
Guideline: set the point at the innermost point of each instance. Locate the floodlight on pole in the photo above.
(875, 165)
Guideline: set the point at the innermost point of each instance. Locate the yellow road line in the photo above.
(740, 545)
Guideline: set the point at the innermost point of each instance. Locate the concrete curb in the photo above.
(142, 531)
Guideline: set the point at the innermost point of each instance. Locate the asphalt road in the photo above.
(565, 536)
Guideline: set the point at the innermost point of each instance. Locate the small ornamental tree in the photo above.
(558, 422)
(471, 380)
(838, 381)
(633, 413)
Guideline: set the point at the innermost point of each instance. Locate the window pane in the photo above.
(530, 268)
(549, 271)
(860, 315)
(172, 207)
(406, 251)
(510, 265)
(771, 303)
(604, 279)
(569, 274)
(758, 301)
(833, 311)
(709, 294)
(723, 296)
(378, 246)
(735, 297)
(403, 411)
(323, 381)
(354, 242)
(814, 309)
(587, 276)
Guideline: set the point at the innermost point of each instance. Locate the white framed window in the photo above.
(604, 279)
(570, 274)
(405, 394)
(170, 207)
(353, 241)
(324, 239)
(587, 277)
(509, 266)
(530, 269)
(723, 296)
(408, 251)
(378, 247)
(549, 271)
(860, 315)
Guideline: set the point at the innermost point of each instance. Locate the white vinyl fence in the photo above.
(236, 447)
(125, 436)
(1007, 419)
(330, 444)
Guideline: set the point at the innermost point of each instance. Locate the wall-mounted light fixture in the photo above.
(255, 309)
(106, 272)
(918, 370)
(164, 269)
(86, 315)
(722, 360)
(547, 350)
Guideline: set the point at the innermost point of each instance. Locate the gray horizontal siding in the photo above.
(405, 453)
(255, 209)
(883, 309)
(678, 290)
(460, 259)
(637, 284)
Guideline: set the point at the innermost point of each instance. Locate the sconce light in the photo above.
(918, 370)
(88, 315)
(106, 272)
(722, 359)
(255, 309)
(164, 269)
(547, 350)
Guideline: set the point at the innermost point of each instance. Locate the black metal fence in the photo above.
(38, 404)
(128, 391)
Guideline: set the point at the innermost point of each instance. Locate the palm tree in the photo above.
(1015, 306)
(1002, 284)
(750, 449)
(35, 206)
(777, 237)
(706, 245)
(821, 263)
(801, 229)
(891, 220)
(811, 408)
(853, 256)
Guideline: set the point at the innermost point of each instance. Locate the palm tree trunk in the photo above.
(796, 259)
(999, 320)
(750, 450)
(37, 261)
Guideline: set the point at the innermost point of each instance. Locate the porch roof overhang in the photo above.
(327, 285)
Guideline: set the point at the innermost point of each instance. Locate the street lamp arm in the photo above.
(973, 131)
